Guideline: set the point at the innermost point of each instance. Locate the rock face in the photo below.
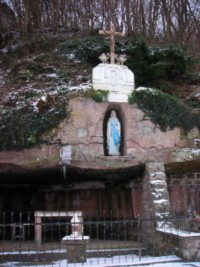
(84, 133)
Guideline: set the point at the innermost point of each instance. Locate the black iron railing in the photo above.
(120, 238)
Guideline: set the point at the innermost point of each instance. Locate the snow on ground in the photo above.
(20, 99)
(120, 260)
(123, 260)
(169, 261)
(178, 232)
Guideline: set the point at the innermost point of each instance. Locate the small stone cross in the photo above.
(112, 34)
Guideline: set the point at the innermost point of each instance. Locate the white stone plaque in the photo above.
(65, 154)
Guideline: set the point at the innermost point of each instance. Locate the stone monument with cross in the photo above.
(114, 77)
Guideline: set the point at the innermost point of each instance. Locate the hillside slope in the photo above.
(40, 73)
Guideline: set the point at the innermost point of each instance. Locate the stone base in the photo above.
(115, 96)
(117, 79)
(76, 250)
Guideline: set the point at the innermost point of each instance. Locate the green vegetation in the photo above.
(153, 66)
(25, 71)
(164, 110)
(193, 102)
(98, 95)
(86, 49)
(23, 127)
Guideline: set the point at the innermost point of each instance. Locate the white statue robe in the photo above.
(113, 136)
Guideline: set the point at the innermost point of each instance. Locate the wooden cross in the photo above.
(112, 34)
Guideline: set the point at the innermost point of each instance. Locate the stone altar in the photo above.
(45, 214)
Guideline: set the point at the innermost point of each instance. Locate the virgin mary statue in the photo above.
(113, 135)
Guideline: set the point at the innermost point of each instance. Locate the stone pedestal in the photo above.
(117, 79)
(76, 248)
(76, 242)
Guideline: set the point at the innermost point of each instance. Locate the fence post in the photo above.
(138, 228)
(38, 230)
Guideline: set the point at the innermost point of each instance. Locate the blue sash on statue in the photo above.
(115, 134)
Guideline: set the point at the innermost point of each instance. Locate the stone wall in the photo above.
(159, 199)
(184, 244)
(155, 200)
(91, 201)
(155, 193)
(184, 191)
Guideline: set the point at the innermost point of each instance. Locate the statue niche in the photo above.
(113, 138)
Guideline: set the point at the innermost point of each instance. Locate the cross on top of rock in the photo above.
(112, 33)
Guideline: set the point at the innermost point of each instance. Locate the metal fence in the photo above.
(111, 238)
